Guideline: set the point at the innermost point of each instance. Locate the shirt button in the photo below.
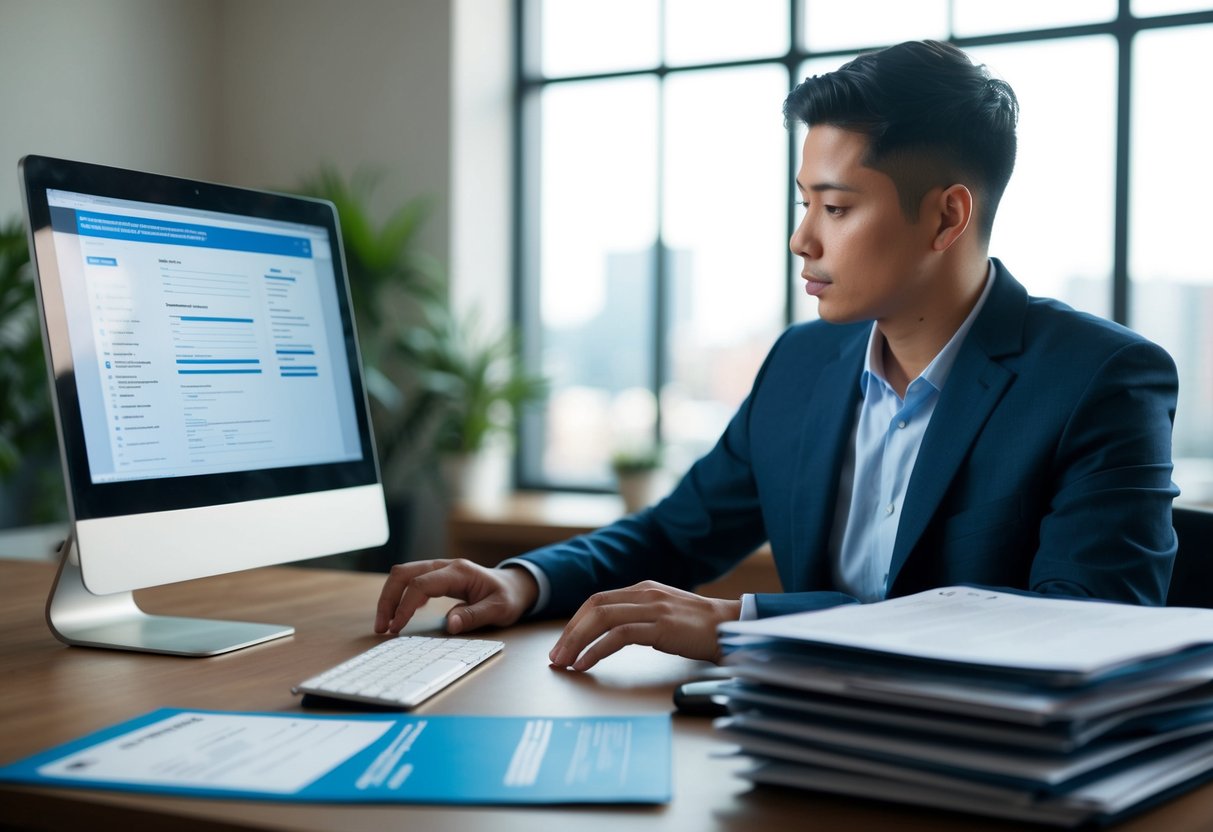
(888, 509)
(902, 423)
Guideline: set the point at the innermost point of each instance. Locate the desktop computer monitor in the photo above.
(207, 391)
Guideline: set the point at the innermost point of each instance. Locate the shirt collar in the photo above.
(936, 373)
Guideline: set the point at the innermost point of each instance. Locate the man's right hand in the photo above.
(491, 597)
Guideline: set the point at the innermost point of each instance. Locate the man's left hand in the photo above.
(668, 619)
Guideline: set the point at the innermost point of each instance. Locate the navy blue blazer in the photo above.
(1046, 467)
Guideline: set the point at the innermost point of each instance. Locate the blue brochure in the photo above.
(381, 758)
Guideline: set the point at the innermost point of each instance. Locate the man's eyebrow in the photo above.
(818, 187)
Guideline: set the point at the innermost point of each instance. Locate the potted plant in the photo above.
(472, 385)
(440, 386)
(30, 476)
(636, 475)
(389, 278)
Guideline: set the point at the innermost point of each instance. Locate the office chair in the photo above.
(1192, 580)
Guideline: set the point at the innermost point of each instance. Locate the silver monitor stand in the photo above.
(78, 617)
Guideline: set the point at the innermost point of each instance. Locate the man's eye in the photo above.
(802, 203)
(835, 210)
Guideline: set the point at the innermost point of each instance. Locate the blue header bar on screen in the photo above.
(147, 230)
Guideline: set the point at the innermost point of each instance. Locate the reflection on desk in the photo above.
(54, 693)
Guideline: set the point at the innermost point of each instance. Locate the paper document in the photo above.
(369, 758)
(1009, 765)
(1191, 706)
(221, 751)
(1028, 706)
(866, 785)
(1106, 798)
(995, 629)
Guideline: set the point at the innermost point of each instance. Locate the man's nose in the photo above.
(805, 241)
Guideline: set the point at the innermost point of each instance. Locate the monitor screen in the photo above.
(203, 343)
(206, 378)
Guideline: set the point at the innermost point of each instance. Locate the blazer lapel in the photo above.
(974, 386)
(829, 417)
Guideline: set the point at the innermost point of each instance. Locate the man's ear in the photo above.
(953, 209)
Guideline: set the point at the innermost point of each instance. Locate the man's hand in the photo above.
(671, 620)
(492, 597)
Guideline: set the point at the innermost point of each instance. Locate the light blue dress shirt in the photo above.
(879, 461)
(876, 473)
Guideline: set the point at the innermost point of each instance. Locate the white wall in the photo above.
(121, 82)
(481, 139)
(250, 92)
(262, 92)
(480, 186)
(356, 83)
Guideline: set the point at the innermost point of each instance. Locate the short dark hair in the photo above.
(933, 118)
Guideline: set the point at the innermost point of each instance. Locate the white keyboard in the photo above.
(401, 672)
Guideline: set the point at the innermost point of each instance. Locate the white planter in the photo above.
(458, 474)
(476, 479)
(638, 489)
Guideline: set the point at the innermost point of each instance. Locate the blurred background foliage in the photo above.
(31, 482)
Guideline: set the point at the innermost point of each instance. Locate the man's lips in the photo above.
(813, 284)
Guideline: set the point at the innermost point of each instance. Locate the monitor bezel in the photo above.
(91, 500)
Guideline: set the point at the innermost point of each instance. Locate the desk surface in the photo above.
(52, 694)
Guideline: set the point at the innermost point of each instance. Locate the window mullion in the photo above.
(1124, 114)
(660, 278)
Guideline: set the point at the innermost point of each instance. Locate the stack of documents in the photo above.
(1047, 710)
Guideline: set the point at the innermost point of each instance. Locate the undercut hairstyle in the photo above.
(932, 118)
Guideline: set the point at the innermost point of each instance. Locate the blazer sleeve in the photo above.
(705, 526)
(1107, 530)
(769, 604)
(709, 522)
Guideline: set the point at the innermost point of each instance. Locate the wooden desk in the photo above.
(51, 694)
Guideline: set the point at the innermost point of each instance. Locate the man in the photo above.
(938, 426)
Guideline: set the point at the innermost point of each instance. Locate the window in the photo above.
(1055, 224)
(1170, 214)
(655, 197)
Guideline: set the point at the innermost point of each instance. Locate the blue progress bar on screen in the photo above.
(217, 372)
(214, 320)
(218, 360)
(295, 352)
